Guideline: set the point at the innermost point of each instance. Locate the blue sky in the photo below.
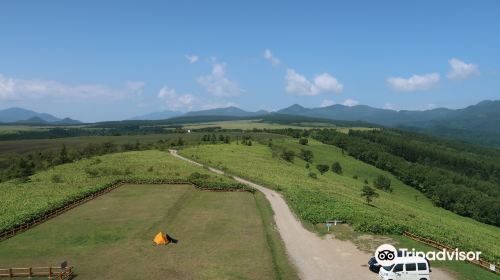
(98, 60)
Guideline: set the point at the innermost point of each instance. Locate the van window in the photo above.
(411, 267)
(398, 267)
(422, 266)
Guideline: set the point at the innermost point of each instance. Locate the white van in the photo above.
(406, 268)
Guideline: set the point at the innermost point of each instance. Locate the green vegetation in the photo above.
(111, 236)
(369, 194)
(316, 200)
(465, 183)
(62, 184)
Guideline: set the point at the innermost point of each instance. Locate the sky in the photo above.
(111, 60)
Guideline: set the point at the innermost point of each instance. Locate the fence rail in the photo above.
(55, 212)
(49, 272)
(481, 263)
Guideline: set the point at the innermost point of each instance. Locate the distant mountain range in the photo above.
(22, 116)
(478, 123)
(158, 116)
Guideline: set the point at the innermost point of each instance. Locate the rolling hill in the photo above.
(23, 116)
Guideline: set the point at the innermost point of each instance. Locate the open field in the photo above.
(338, 196)
(221, 236)
(57, 186)
(24, 146)
(251, 124)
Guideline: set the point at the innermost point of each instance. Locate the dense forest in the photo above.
(467, 183)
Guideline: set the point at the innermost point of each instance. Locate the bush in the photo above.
(337, 168)
(322, 168)
(303, 141)
(382, 182)
(313, 175)
(306, 155)
(355, 177)
(288, 155)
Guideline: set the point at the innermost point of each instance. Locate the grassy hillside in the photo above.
(64, 183)
(110, 237)
(338, 196)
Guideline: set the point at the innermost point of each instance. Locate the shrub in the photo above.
(313, 175)
(337, 168)
(355, 177)
(288, 155)
(382, 182)
(303, 141)
(306, 155)
(322, 168)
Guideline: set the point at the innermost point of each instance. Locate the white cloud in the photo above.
(299, 85)
(461, 70)
(269, 56)
(327, 102)
(327, 83)
(218, 84)
(22, 89)
(192, 58)
(177, 101)
(350, 102)
(414, 83)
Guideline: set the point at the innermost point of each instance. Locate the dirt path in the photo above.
(315, 257)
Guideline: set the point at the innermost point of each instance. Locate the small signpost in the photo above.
(332, 222)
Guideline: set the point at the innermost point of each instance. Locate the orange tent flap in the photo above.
(160, 239)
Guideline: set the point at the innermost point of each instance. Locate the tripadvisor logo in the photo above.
(387, 254)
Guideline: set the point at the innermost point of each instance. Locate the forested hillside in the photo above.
(467, 183)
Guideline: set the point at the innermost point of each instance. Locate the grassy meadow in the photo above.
(222, 235)
(333, 196)
(64, 183)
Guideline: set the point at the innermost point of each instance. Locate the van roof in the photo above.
(410, 259)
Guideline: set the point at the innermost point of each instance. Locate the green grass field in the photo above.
(338, 196)
(251, 124)
(65, 183)
(222, 235)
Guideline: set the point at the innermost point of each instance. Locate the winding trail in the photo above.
(315, 257)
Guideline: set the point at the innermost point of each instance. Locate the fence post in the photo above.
(30, 272)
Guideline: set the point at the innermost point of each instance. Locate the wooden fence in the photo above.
(28, 272)
(481, 263)
(55, 212)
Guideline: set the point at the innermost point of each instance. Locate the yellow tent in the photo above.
(161, 239)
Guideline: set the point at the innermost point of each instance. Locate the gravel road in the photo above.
(315, 257)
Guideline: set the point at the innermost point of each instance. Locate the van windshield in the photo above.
(388, 268)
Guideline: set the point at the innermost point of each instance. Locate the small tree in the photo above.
(313, 175)
(382, 182)
(337, 168)
(288, 155)
(369, 194)
(227, 140)
(322, 168)
(63, 155)
(303, 141)
(306, 155)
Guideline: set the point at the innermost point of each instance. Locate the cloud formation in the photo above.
(177, 101)
(414, 83)
(217, 82)
(460, 70)
(297, 84)
(269, 56)
(192, 58)
(22, 89)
